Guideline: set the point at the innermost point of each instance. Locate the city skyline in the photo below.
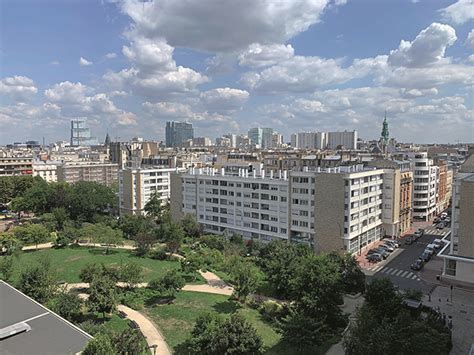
(298, 67)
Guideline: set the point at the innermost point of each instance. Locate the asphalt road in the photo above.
(397, 268)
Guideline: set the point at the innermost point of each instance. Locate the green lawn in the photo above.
(68, 262)
(176, 320)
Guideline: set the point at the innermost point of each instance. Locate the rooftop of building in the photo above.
(40, 331)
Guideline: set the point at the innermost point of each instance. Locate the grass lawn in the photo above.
(176, 320)
(68, 262)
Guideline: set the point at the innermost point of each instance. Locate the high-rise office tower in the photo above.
(177, 133)
(81, 134)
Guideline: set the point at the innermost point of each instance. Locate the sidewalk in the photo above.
(461, 309)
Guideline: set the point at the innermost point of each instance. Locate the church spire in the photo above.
(385, 135)
(107, 139)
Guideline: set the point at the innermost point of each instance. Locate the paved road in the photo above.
(397, 267)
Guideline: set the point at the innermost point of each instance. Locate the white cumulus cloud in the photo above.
(83, 62)
(458, 13)
(19, 88)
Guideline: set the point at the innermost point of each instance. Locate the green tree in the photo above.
(102, 295)
(144, 242)
(129, 342)
(9, 244)
(170, 283)
(90, 198)
(133, 225)
(92, 270)
(174, 236)
(154, 207)
(382, 298)
(38, 281)
(191, 264)
(69, 234)
(6, 267)
(102, 234)
(213, 335)
(190, 226)
(100, 345)
(245, 278)
(60, 217)
(131, 273)
(32, 233)
(303, 330)
(353, 278)
(67, 305)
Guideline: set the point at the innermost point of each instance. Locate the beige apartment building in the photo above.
(18, 165)
(103, 173)
(458, 254)
(445, 180)
(397, 196)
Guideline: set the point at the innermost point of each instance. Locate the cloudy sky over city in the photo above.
(226, 66)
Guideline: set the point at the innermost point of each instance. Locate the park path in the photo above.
(149, 330)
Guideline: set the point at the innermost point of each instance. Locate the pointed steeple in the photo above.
(107, 139)
(385, 134)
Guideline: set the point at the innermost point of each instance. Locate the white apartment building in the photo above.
(334, 209)
(425, 175)
(346, 139)
(137, 186)
(46, 170)
(308, 140)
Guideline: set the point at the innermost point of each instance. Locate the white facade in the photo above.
(425, 175)
(346, 139)
(271, 206)
(308, 140)
(137, 186)
(45, 170)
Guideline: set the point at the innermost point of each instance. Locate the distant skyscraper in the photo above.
(255, 135)
(177, 133)
(81, 134)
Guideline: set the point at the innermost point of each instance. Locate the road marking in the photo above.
(409, 275)
(386, 270)
(404, 274)
(399, 272)
(418, 280)
(377, 268)
(413, 277)
(394, 271)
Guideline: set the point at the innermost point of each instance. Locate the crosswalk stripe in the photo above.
(413, 277)
(418, 280)
(377, 268)
(404, 274)
(409, 275)
(399, 272)
(394, 271)
(386, 270)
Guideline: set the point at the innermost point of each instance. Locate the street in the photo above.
(397, 265)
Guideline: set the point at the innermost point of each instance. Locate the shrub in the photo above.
(159, 254)
(271, 310)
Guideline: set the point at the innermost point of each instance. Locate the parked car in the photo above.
(417, 265)
(382, 252)
(392, 242)
(419, 233)
(387, 247)
(438, 243)
(373, 258)
(443, 215)
(425, 257)
(430, 248)
(447, 220)
(436, 220)
(409, 240)
(440, 225)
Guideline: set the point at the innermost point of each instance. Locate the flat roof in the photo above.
(49, 335)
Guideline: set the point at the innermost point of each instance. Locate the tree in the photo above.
(131, 274)
(90, 198)
(144, 242)
(92, 270)
(303, 330)
(154, 207)
(102, 295)
(60, 216)
(174, 236)
(129, 342)
(69, 234)
(382, 298)
(214, 335)
(133, 225)
(102, 234)
(100, 345)
(9, 244)
(32, 233)
(353, 278)
(67, 305)
(190, 226)
(170, 283)
(6, 267)
(245, 278)
(38, 281)
(191, 264)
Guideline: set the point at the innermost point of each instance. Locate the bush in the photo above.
(159, 254)
(271, 310)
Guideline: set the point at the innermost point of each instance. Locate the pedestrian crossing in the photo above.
(433, 231)
(390, 271)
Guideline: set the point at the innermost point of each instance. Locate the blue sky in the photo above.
(128, 66)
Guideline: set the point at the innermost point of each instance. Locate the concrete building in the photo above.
(425, 182)
(345, 139)
(397, 196)
(458, 255)
(443, 192)
(47, 170)
(177, 133)
(103, 173)
(201, 142)
(81, 134)
(308, 140)
(256, 136)
(16, 165)
(335, 209)
(137, 186)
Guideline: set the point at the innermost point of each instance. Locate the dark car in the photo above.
(382, 252)
(373, 258)
(417, 265)
(409, 240)
(425, 257)
(440, 225)
(436, 220)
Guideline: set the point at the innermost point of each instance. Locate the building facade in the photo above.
(335, 209)
(345, 139)
(103, 173)
(47, 170)
(81, 134)
(443, 192)
(177, 133)
(137, 186)
(17, 165)
(425, 175)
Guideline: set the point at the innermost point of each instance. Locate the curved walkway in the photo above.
(149, 330)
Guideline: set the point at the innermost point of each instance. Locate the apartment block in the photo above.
(333, 209)
(445, 181)
(459, 253)
(16, 165)
(137, 186)
(103, 173)
(345, 139)
(47, 170)
(425, 183)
